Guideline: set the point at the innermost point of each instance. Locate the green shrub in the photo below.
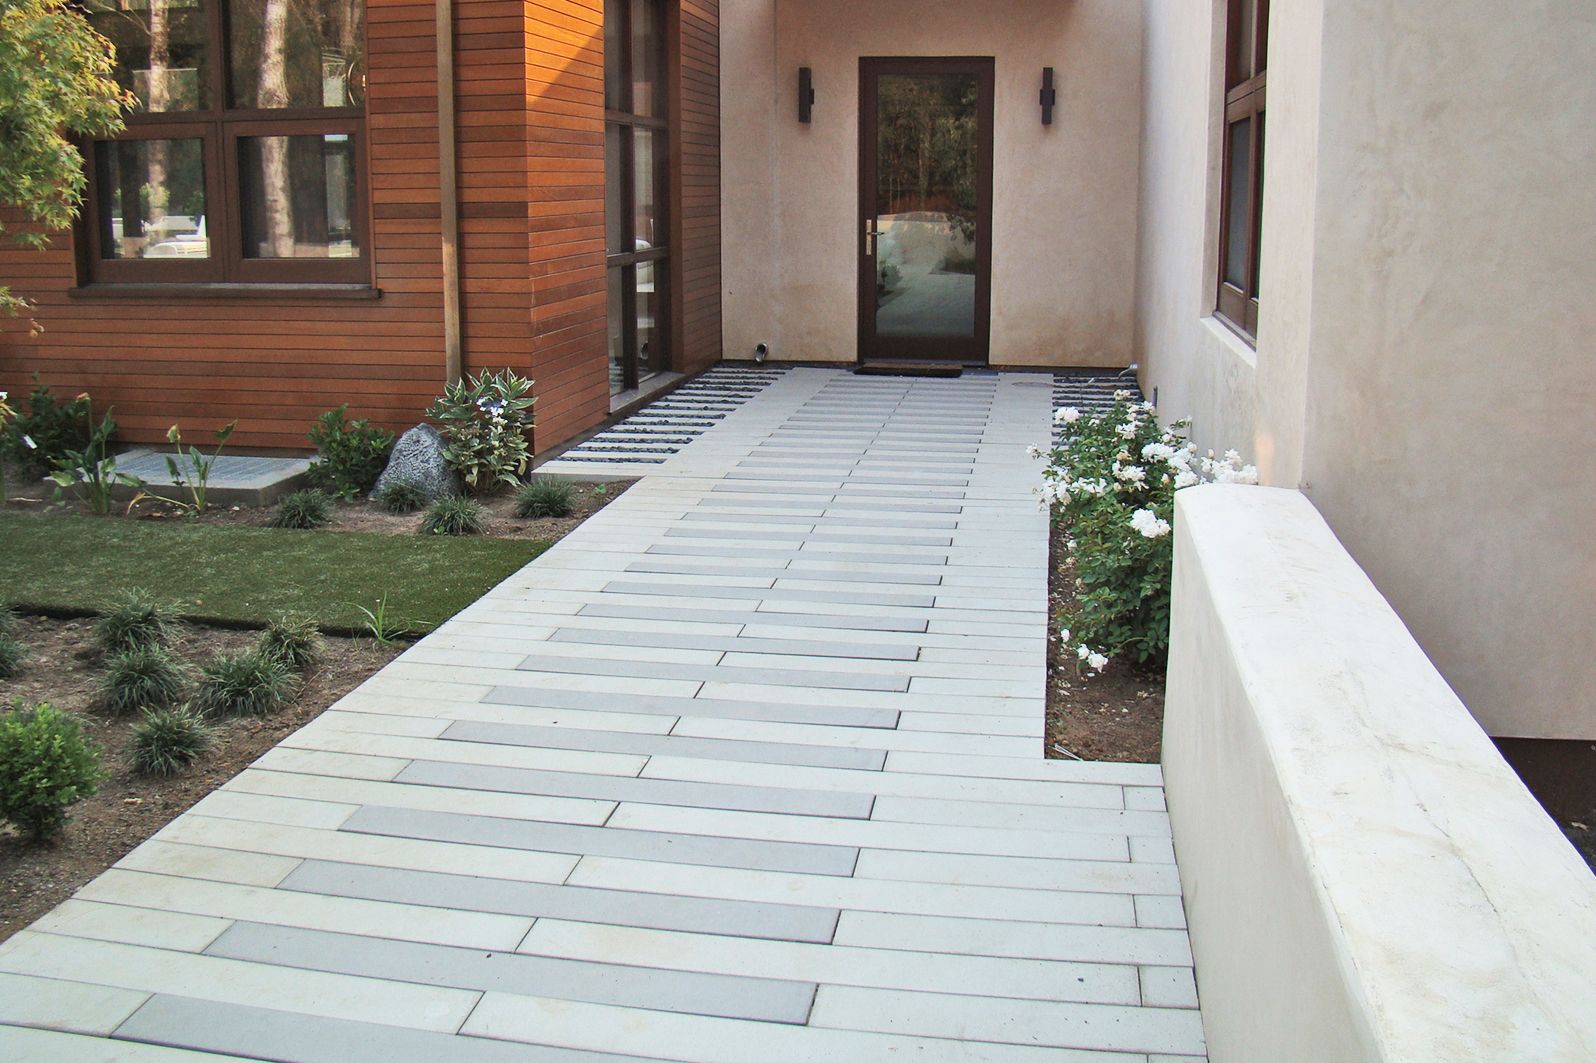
(454, 515)
(302, 511)
(140, 678)
(350, 455)
(90, 474)
(12, 656)
(166, 741)
(293, 640)
(402, 496)
(47, 432)
(134, 620)
(545, 497)
(46, 765)
(8, 620)
(1112, 481)
(486, 420)
(243, 684)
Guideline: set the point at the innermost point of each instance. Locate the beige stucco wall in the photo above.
(1424, 367)
(1064, 230)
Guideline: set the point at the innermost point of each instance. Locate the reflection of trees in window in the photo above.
(928, 146)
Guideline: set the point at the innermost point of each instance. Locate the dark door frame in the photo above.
(976, 350)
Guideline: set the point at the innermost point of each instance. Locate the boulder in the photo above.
(418, 457)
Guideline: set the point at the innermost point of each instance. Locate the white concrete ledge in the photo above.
(1365, 877)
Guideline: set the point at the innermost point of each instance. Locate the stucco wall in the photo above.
(1424, 367)
(1064, 231)
(1365, 878)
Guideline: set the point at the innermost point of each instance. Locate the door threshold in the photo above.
(923, 369)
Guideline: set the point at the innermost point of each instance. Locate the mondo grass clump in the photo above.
(47, 764)
(293, 640)
(302, 511)
(140, 678)
(455, 515)
(402, 496)
(135, 621)
(13, 655)
(243, 684)
(167, 741)
(545, 497)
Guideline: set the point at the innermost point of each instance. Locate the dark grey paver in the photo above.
(707, 708)
(688, 568)
(689, 992)
(260, 1033)
(583, 904)
(777, 594)
(714, 673)
(647, 745)
(544, 837)
(628, 788)
(733, 644)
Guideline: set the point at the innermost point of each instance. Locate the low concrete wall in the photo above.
(1365, 877)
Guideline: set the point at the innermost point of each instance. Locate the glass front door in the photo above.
(925, 200)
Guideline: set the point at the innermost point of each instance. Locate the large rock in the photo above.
(418, 457)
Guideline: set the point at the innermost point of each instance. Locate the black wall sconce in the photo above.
(1049, 95)
(806, 94)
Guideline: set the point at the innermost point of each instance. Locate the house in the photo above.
(1351, 240)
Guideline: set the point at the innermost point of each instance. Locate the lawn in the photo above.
(248, 575)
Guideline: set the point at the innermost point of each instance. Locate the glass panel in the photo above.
(614, 55)
(617, 318)
(297, 53)
(647, 221)
(298, 196)
(152, 199)
(1257, 225)
(1237, 219)
(927, 212)
(615, 205)
(160, 50)
(648, 37)
(650, 332)
(1241, 43)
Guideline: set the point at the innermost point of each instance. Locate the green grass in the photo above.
(251, 575)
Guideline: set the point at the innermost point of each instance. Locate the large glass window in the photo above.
(636, 224)
(1241, 199)
(241, 161)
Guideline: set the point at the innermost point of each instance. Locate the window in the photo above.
(1241, 196)
(241, 160)
(636, 151)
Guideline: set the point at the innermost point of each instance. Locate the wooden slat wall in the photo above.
(698, 178)
(530, 98)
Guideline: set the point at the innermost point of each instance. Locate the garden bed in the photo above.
(64, 668)
(1115, 716)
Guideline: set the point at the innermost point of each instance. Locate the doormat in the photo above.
(937, 369)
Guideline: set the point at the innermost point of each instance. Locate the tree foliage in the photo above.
(55, 82)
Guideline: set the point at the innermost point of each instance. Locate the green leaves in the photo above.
(486, 420)
(350, 455)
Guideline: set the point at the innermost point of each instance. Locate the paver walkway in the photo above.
(748, 768)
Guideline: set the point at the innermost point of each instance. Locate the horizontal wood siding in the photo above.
(530, 153)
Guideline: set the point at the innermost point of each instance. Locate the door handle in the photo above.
(870, 234)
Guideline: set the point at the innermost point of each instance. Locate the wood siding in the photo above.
(530, 151)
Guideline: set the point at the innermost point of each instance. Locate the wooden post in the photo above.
(448, 194)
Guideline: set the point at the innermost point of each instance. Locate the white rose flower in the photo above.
(1149, 524)
(1084, 652)
(1126, 430)
(1159, 452)
(1064, 634)
(1185, 478)
(1131, 474)
(1122, 395)
(1068, 415)
(1097, 662)
(1033, 452)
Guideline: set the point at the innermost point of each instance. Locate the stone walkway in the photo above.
(748, 768)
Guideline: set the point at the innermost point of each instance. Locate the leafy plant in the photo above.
(350, 454)
(141, 678)
(402, 496)
(377, 622)
(47, 431)
(293, 640)
(47, 764)
(193, 469)
(56, 84)
(454, 515)
(166, 741)
(90, 474)
(1112, 480)
(486, 420)
(302, 511)
(135, 620)
(243, 684)
(13, 655)
(7, 413)
(545, 497)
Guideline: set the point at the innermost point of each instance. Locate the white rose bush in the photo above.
(1111, 480)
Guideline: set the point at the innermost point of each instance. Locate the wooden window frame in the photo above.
(1246, 51)
(660, 124)
(220, 127)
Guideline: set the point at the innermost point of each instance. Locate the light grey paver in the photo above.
(747, 767)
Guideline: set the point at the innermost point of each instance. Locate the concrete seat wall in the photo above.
(1365, 877)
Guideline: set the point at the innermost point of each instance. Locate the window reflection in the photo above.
(160, 50)
(152, 199)
(297, 53)
(299, 196)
